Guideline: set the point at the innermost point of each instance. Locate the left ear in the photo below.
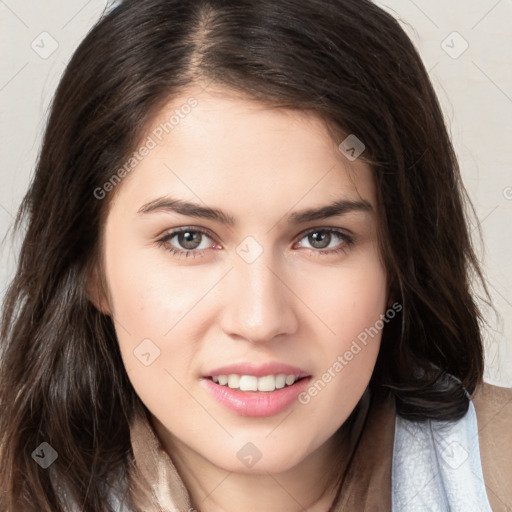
(96, 292)
(392, 293)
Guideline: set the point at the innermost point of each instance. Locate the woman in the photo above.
(244, 283)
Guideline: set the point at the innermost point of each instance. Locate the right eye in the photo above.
(187, 241)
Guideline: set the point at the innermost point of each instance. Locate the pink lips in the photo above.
(258, 370)
(256, 403)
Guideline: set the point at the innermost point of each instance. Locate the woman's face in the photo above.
(243, 247)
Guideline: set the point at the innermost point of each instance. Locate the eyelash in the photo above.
(347, 241)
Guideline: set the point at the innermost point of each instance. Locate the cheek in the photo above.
(157, 334)
(353, 309)
(151, 308)
(349, 301)
(149, 296)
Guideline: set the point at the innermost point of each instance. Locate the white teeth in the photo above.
(248, 383)
(280, 381)
(252, 383)
(290, 379)
(234, 381)
(267, 383)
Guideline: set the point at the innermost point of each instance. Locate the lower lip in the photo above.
(256, 403)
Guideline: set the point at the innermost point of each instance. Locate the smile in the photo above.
(252, 383)
(256, 403)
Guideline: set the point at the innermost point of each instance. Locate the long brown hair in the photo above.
(62, 379)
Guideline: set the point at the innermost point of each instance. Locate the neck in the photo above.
(306, 486)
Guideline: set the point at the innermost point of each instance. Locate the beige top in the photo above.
(367, 485)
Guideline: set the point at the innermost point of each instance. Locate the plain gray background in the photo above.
(465, 45)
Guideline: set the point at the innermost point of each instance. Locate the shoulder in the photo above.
(493, 406)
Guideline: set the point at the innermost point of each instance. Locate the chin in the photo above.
(259, 458)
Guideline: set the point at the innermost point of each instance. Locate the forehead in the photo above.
(218, 147)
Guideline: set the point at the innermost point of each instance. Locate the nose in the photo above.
(258, 304)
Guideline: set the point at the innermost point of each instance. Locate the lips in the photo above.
(261, 370)
(256, 390)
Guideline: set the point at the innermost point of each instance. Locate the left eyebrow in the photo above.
(337, 208)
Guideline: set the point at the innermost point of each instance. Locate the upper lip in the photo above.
(258, 370)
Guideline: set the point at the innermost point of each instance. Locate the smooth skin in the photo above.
(295, 304)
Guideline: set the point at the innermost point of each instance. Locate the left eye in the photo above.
(321, 239)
